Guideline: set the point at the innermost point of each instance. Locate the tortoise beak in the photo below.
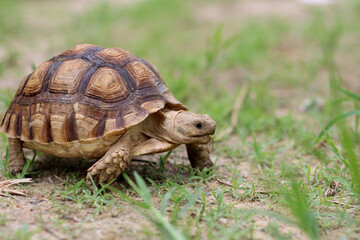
(212, 127)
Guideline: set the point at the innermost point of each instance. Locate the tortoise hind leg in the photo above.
(199, 155)
(16, 156)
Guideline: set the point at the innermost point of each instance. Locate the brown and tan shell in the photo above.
(85, 93)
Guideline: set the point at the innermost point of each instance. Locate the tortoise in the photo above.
(101, 103)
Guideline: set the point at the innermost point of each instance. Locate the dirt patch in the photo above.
(48, 218)
(236, 11)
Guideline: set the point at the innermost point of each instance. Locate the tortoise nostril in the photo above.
(198, 125)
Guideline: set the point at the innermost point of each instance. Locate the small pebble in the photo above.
(115, 212)
(223, 220)
(36, 201)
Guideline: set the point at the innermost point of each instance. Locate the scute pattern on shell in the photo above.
(85, 93)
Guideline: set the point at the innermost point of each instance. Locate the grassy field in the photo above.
(280, 78)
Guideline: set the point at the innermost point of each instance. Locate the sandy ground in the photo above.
(49, 216)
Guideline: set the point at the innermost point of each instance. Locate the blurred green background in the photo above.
(205, 50)
(281, 61)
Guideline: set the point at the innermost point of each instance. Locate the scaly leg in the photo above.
(199, 155)
(111, 165)
(16, 156)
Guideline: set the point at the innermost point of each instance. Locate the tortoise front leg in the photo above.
(16, 156)
(110, 166)
(199, 155)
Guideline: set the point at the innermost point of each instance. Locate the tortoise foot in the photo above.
(199, 156)
(16, 169)
(107, 168)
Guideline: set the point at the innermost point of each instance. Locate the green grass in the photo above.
(77, 191)
(298, 168)
(296, 201)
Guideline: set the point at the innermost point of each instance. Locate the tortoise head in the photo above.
(187, 127)
(193, 128)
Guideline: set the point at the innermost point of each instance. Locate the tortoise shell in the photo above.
(86, 93)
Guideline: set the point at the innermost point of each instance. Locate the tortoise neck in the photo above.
(161, 125)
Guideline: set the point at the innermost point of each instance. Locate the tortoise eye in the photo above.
(198, 125)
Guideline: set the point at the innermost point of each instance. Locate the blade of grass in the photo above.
(349, 94)
(306, 219)
(352, 160)
(337, 119)
(168, 231)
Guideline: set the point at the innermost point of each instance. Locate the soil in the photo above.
(51, 217)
